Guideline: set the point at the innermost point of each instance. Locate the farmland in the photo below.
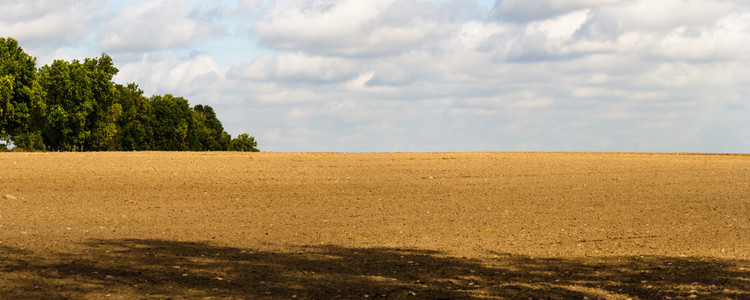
(385, 225)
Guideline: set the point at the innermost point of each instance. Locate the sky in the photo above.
(424, 75)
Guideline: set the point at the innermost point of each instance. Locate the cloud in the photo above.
(158, 25)
(726, 39)
(296, 67)
(655, 17)
(47, 24)
(525, 11)
(173, 74)
(702, 30)
(549, 39)
(352, 28)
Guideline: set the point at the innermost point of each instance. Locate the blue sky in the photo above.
(420, 75)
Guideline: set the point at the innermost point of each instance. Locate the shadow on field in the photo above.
(138, 268)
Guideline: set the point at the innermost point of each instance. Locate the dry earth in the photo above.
(408, 225)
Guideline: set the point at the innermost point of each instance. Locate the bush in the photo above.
(30, 141)
(245, 143)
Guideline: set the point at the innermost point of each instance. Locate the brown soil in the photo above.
(411, 225)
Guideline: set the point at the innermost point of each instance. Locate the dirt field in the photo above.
(412, 225)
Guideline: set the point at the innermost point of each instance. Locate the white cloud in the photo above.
(351, 28)
(665, 14)
(549, 39)
(524, 11)
(726, 39)
(296, 67)
(607, 23)
(473, 34)
(172, 74)
(47, 24)
(577, 77)
(156, 25)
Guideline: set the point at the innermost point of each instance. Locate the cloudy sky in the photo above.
(422, 75)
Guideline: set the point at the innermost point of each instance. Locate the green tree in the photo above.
(70, 106)
(21, 101)
(81, 113)
(6, 108)
(209, 132)
(69, 103)
(102, 121)
(30, 141)
(171, 121)
(134, 132)
(245, 143)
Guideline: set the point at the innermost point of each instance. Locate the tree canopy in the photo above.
(75, 106)
(19, 93)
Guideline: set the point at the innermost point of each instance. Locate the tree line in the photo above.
(75, 106)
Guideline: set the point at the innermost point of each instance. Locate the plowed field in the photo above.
(382, 226)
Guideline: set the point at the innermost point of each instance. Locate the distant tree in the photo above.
(6, 108)
(21, 99)
(171, 120)
(69, 103)
(79, 101)
(245, 143)
(75, 106)
(30, 141)
(134, 132)
(209, 132)
(102, 121)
